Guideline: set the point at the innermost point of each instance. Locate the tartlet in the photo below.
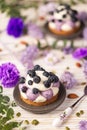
(63, 20)
(40, 87)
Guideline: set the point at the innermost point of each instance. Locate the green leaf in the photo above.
(65, 42)
(1, 98)
(6, 99)
(3, 108)
(3, 120)
(10, 126)
(39, 46)
(10, 113)
(1, 89)
(72, 2)
(54, 44)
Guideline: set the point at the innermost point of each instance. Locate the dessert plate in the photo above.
(40, 109)
(71, 36)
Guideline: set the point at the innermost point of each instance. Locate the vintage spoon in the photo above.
(58, 121)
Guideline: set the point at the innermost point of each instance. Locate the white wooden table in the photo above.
(8, 55)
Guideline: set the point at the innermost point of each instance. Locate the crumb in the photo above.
(35, 122)
(83, 83)
(78, 65)
(67, 68)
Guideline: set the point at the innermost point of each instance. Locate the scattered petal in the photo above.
(83, 125)
(80, 53)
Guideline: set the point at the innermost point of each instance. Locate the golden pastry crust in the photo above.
(64, 33)
(54, 98)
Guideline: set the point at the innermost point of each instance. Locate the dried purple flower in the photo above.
(35, 31)
(15, 27)
(9, 75)
(82, 16)
(44, 9)
(80, 53)
(68, 80)
(68, 50)
(85, 33)
(51, 6)
(29, 55)
(83, 125)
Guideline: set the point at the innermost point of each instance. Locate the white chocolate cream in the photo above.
(40, 99)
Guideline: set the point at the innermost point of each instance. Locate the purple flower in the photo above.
(29, 55)
(9, 75)
(80, 53)
(82, 16)
(85, 68)
(68, 50)
(51, 6)
(85, 33)
(35, 31)
(15, 27)
(68, 80)
(83, 125)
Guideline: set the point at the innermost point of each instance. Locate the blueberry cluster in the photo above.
(52, 78)
(35, 77)
(70, 11)
(34, 90)
(22, 80)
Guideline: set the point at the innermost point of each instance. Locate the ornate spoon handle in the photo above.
(58, 121)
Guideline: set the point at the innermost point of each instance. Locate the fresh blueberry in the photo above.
(30, 82)
(22, 80)
(35, 91)
(51, 12)
(64, 16)
(53, 78)
(67, 6)
(42, 69)
(56, 79)
(74, 19)
(74, 12)
(24, 89)
(53, 20)
(60, 20)
(45, 73)
(31, 73)
(36, 67)
(51, 73)
(47, 84)
(36, 79)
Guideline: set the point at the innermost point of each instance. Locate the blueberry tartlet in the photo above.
(39, 87)
(63, 20)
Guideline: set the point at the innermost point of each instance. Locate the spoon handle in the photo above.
(62, 117)
(58, 121)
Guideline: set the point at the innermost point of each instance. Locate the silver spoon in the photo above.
(67, 112)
